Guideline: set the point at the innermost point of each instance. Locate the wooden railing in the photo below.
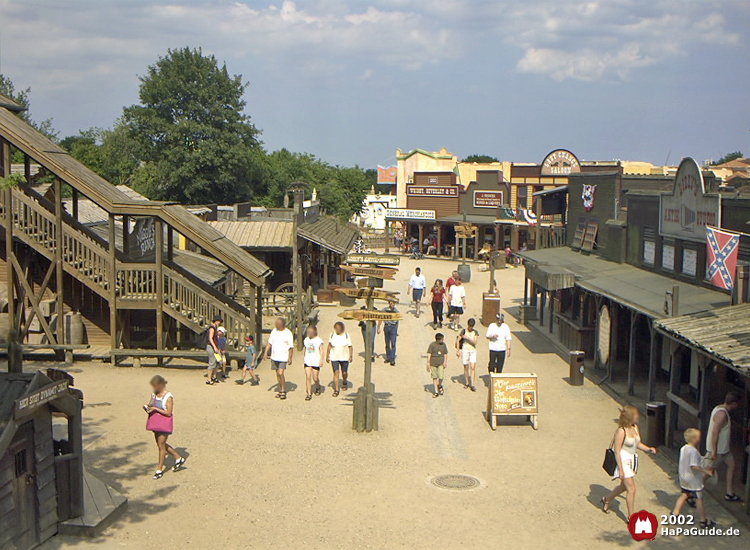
(284, 304)
(136, 282)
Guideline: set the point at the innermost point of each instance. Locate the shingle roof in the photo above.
(329, 233)
(258, 235)
(723, 332)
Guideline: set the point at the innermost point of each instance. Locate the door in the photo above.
(24, 486)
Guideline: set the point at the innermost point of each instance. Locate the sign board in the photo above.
(431, 191)
(408, 214)
(667, 257)
(387, 175)
(689, 262)
(365, 315)
(688, 209)
(603, 334)
(513, 394)
(365, 293)
(29, 403)
(560, 163)
(142, 240)
(369, 282)
(379, 272)
(373, 259)
(488, 199)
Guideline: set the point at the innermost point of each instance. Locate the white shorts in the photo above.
(469, 355)
(720, 459)
(629, 465)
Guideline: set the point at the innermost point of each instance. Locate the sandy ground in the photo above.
(264, 473)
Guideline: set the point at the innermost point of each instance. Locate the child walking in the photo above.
(251, 362)
(161, 422)
(221, 340)
(437, 360)
(313, 359)
(692, 475)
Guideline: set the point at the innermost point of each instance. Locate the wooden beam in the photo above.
(60, 279)
(708, 377)
(631, 353)
(45, 284)
(159, 282)
(111, 281)
(258, 317)
(4, 172)
(34, 302)
(674, 389)
(652, 363)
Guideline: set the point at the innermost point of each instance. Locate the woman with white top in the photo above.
(339, 354)
(313, 358)
(626, 443)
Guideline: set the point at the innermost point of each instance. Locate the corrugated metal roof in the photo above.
(639, 289)
(329, 233)
(258, 235)
(723, 332)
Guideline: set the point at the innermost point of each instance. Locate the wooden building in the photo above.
(70, 283)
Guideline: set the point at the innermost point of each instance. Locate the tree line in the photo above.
(190, 140)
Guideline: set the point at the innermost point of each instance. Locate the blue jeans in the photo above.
(391, 332)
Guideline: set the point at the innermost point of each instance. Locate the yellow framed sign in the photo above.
(513, 394)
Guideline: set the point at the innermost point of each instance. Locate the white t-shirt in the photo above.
(457, 294)
(690, 479)
(281, 342)
(417, 281)
(312, 351)
(340, 344)
(503, 335)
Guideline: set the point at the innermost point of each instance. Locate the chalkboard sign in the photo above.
(513, 394)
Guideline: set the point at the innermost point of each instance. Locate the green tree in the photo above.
(191, 128)
(22, 97)
(728, 157)
(483, 159)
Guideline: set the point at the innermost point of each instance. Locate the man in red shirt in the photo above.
(451, 280)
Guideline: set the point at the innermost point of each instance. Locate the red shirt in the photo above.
(438, 294)
(450, 282)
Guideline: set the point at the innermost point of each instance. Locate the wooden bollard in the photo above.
(360, 410)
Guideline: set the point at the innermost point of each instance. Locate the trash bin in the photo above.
(576, 368)
(656, 423)
(464, 271)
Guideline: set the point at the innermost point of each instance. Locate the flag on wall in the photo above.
(458, 173)
(722, 248)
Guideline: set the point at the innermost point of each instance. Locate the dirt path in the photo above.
(265, 473)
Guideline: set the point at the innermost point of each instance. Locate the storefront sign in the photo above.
(603, 334)
(142, 240)
(667, 257)
(29, 403)
(431, 191)
(407, 214)
(688, 209)
(560, 163)
(649, 252)
(488, 199)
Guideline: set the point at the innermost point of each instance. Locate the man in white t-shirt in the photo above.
(457, 303)
(280, 349)
(417, 284)
(718, 445)
(498, 333)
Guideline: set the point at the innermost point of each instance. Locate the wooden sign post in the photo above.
(366, 406)
(513, 394)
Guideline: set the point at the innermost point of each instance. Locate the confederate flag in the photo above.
(722, 248)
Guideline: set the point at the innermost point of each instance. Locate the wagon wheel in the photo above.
(282, 304)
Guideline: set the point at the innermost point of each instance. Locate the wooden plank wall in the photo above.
(46, 489)
(7, 508)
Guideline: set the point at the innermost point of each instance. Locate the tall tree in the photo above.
(728, 157)
(191, 131)
(482, 159)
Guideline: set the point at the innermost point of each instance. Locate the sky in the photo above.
(652, 80)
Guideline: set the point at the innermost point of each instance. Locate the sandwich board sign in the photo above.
(512, 394)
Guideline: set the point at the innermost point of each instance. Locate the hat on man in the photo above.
(217, 318)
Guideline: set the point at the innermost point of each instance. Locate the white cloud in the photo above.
(583, 64)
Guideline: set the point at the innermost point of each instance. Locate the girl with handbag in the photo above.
(161, 422)
(626, 444)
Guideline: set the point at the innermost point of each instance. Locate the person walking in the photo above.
(280, 350)
(451, 280)
(692, 474)
(437, 361)
(466, 349)
(390, 329)
(340, 353)
(221, 340)
(438, 299)
(251, 363)
(718, 447)
(626, 443)
(213, 350)
(417, 284)
(160, 410)
(457, 300)
(312, 360)
(498, 333)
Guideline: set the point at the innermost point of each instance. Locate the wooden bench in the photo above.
(138, 354)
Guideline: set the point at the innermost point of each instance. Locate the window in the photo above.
(21, 464)
(522, 194)
(649, 252)
(667, 257)
(689, 262)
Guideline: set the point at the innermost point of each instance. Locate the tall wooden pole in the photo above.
(59, 273)
(112, 282)
(5, 168)
(369, 351)
(159, 282)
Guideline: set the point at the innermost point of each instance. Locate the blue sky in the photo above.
(352, 81)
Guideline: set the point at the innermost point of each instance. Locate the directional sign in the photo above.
(364, 293)
(364, 315)
(373, 259)
(372, 282)
(379, 272)
(29, 403)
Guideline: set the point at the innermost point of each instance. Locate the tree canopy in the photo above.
(483, 159)
(728, 157)
(23, 98)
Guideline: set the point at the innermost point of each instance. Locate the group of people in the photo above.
(693, 468)
(452, 297)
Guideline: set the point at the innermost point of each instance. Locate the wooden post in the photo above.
(59, 273)
(170, 244)
(551, 311)
(387, 236)
(258, 317)
(652, 359)
(631, 353)
(126, 235)
(369, 352)
(538, 232)
(421, 236)
(439, 229)
(525, 286)
(476, 243)
(5, 169)
(706, 397)
(75, 204)
(498, 245)
(75, 437)
(674, 388)
(542, 305)
(456, 250)
(614, 312)
(112, 282)
(159, 282)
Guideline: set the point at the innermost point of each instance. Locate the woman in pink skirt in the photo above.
(161, 421)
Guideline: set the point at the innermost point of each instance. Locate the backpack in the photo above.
(203, 339)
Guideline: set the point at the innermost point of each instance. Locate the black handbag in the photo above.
(610, 461)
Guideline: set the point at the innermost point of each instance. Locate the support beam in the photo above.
(439, 229)
(60, 274)
(34, 302)
(10, 283)
(708, 381)
(258, 318)
(675, 373)
(614, 312)
(112, 283)
(631, 353)
(652, 362)
(159, 281)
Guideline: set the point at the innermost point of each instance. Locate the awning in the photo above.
(330, 233)
(550, 277)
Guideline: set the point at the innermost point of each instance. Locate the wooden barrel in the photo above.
(464, 271)
(75, 328)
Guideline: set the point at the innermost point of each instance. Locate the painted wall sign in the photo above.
(560, 163)
(667, 257)
(689, 262)
(488, 199)
(603, 334)
(408, 214)
(688, 209)
(431, 191)
(142, 240)
(588, 195)
(387, 175)
(29, 403)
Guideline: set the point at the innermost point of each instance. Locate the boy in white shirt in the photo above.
(280, 350)
(313, 360)
(691, 476)
(457, 302)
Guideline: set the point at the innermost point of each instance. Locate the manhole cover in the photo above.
(455, 481)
